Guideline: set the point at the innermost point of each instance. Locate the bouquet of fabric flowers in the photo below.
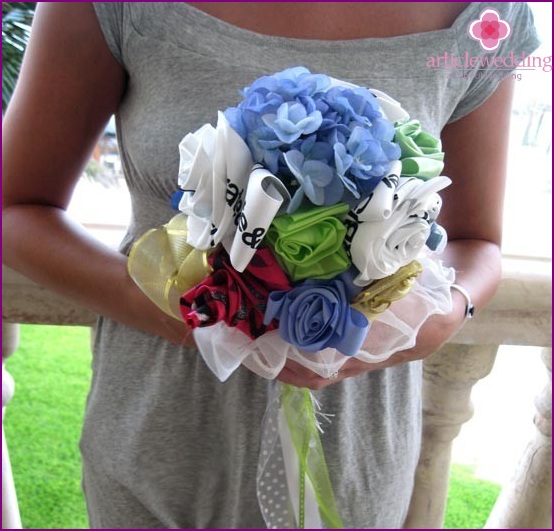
(305, 213)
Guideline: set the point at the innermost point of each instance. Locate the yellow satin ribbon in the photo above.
(164, 265)
(380, 294)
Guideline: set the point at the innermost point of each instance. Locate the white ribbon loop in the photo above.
(265, 197)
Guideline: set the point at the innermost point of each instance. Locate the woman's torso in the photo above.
(159, 425)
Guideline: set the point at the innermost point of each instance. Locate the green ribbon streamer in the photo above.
(309, 244)
(421, 153)
(299, 411)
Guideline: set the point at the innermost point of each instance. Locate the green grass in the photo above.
(470, 500)
(51, 369)
(43, 422)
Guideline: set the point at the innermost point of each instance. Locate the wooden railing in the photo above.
(519, 314)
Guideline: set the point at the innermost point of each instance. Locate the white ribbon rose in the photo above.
(390, 228)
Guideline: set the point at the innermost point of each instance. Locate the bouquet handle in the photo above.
(292, 448)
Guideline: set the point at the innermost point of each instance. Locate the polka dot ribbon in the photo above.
(293, 483)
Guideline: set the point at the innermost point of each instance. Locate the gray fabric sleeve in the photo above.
(110, 16)
(482, 83)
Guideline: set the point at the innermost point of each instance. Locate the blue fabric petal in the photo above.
(317, 314)
(176, 199)
(436, 236)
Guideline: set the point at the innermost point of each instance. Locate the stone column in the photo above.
(10, 508)
(526, 501)
(448, 378)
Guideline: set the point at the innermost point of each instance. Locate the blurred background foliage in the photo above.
(16, 29)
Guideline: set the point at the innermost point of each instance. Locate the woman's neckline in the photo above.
(240, 30)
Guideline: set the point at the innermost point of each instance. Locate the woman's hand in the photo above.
(144, 315)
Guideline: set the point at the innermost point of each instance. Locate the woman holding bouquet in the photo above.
(164, 443)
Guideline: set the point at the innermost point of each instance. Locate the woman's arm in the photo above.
(70, 85)
(476, 148)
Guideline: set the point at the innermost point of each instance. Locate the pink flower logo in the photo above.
(489, 30)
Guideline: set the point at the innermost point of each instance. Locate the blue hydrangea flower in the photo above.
(316, 181)
(264, 146)
(359, 104)
(305, 80)
(313, 149)
(326, 143)
(234, 117)
(292, 121)
(362, 162)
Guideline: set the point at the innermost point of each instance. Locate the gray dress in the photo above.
(165, 444)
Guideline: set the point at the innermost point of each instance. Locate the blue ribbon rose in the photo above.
(316, 314)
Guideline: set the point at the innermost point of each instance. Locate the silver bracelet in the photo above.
(470, 308)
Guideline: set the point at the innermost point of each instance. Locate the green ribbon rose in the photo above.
(310, 244)
(422, 154)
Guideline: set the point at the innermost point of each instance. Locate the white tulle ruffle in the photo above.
(224, 348)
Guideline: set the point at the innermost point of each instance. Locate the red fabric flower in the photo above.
(239, 299)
